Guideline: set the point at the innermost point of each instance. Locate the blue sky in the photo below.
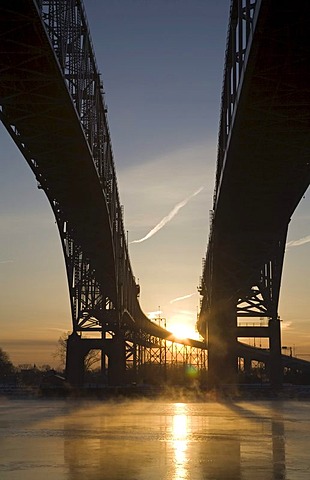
(162, 66)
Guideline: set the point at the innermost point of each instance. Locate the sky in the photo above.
(162, 66)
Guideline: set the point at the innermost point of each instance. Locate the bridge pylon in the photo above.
(275, 367)
(112, 348)
(222, 345)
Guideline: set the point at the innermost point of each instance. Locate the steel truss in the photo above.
(263, 297)
(91, 309)
(165, 354)
(240, 31)
(68, 32)
(247, 285)
(52, 113)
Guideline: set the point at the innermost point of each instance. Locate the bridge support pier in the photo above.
(222, 346)
(116, 361)
(75, 360)
(275, 363)
(78, 348)
(247, 365)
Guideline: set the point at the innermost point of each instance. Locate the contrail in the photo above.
(182, 298)
(168, 217)
(297, 243)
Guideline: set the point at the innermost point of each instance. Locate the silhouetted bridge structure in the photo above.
(52, 104)
(262, 173)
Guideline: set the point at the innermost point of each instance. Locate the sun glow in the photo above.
(181, 330)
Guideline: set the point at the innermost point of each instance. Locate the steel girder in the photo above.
(52, 104)
(68, 32)
(236, 283)
(243, 15)
(71, 49)
(143, 349)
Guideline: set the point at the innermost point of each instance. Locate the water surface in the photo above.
(154, 440)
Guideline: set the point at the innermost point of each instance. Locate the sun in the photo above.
(182, 331)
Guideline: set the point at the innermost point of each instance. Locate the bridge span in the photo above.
(263, 170)
(52, 104)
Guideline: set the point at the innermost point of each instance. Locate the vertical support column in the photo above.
(247, 365)
(222, 345)
(275, 362)
(103, 359)
(75, 360)
(117, 361)
(135, 359)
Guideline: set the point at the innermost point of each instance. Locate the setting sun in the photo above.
(181, 331)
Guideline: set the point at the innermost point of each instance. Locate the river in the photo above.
(154, 440)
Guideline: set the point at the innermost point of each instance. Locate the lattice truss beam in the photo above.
(157, 351)
(68, 32)
(240, 30)
(91, 309)
(69, 35)
(258, 296)
(67, 29)
(262, 299)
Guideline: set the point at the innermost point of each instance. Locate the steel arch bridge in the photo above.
(52, 104)
(263, 170)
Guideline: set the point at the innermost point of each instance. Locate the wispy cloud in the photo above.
(168, 217)
(6, 261)
(55, 329)
(297, 243)
(178, 299)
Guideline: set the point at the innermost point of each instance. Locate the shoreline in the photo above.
(170, 393)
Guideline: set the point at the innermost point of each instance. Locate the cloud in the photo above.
(6, 261)
(297, 243)
(182, 298)
(55, 329)
(149, 189)
(168, 217)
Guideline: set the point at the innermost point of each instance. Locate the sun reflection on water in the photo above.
(180, 442)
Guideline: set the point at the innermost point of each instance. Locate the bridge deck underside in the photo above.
(36, 105)
(263, 356)
(35, 101)
(266, 167)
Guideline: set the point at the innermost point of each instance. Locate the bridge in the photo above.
(262, 173)
(52, 104)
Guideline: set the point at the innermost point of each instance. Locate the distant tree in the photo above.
(6, 366)
(61, 349)
(91, 360)
(45, 367)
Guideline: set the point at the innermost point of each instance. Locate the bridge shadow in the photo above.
(271, 412)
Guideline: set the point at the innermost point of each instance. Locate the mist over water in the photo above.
(152, 440)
